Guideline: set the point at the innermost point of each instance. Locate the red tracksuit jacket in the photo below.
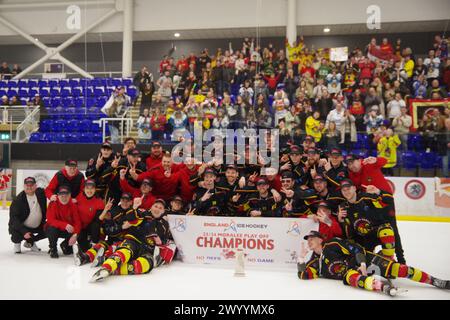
(370, 174)
(87, 208)
(53, 185)
(148, 200)
(187, 190)
(163, 187)
(60, 215)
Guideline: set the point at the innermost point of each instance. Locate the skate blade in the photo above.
(398, 292)
(76, 257)
(100, 253)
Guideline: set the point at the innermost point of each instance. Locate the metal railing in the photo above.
(126, 123)
(28, 125)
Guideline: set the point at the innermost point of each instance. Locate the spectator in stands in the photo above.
(435, 88)
(357, 109)
(146, 96)
(373, 120)
(178, 122)
(165, 89)
(444, 148)
(402, 125)
(432, 63)
(394, 107)
(280, 105)
(331, 135)
(4, 69)
(15, 101)
(420, 87)
(292, 119)
(144, 127)
(313, 126)
(387, 148)
(116, 107)
(27, 215)
(446, 76)
(157, 123)
(246, 92)
(142, 78)
(428, 128)
(348, 131)
(5, 101)
(290, 85)
(16, 69)
(324, 103)
(334, 82)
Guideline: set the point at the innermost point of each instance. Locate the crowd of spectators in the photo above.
(299, 90)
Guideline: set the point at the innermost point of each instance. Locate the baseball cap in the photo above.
(231, 166)
(156, 144)
(351, 157)
(336, 152)
(324, 204)
(71, 163)
(295, 150)
(160, 201)
(313, 151)
(287, 175)
(89, 182)
(315, 234)
(261, 181)
(63, 190)
(126, 195)
(134, 152)
(346, 183)
(106, 145)
(147, 182)
(210, 171)
(177, 198)
(319, 177)
(29, 180)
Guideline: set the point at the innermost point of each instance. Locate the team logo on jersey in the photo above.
(337, 268)
(415, 189)
(362, 226)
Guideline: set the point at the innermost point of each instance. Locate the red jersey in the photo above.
(276, 183)
(60, 215)
(147, 201)
(153, 161)
(187, 190)
(370, 174)
(163, 187)
(88, 208)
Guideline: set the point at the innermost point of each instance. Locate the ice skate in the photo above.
(53, 253)
(35, 248)
(99, 275)
(157, 257)
(17, 248)
(99, 258)
(79, 258)
(441, 284)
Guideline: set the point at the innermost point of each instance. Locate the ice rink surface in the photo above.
(35, 276)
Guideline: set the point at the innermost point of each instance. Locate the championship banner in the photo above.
(339, 54)
(265, 242)
(420, 107)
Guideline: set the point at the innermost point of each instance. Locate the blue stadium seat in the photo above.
(53, 83)
(23, 92)
(73, 125)
(32, 83)
(33, 92)
(35, 137)
(127, 82)
(409, 160)
(3, 92)
(77, 91)
(90, 102)
(132, 92)
(428, 160)
(13, 83)
(87, 91)
(64, 83)
(116, 82)
(101, 101)
(46, 125)
(75, 82)
(43, 83)
(23, 83)
(61, 137)
(67, 102)
(415, 142)
(56, 102)
(66, 91)
(3, 84)
(59, 125)
(48, 137)
(44, 91)
(99, 91)
(54, 92)
(73, 137)
(12, 92)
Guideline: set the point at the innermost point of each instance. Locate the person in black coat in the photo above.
(27, 216)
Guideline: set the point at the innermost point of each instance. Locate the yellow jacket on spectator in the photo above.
(312, 127)
(387, 148)
(409, 67)
(291, 51)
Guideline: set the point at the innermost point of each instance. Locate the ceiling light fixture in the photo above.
(326, 29)
(176, 35)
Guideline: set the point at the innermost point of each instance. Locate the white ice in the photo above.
(35, 276)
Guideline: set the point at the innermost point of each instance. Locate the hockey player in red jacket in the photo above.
(89, 208)
(144, 193)
(365, 172)
(63, 221)
(165, 181)
(69, 176)
(155, 157)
